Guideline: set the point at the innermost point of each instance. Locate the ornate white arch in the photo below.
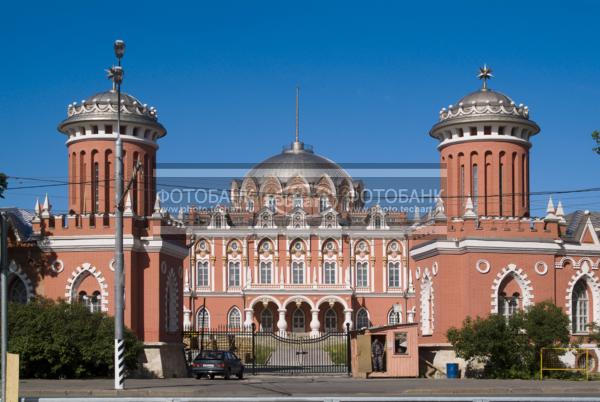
(259, 299)
(594, 285)
(524, 283)
(298, 297)
(78, 275)
(333, 297)
(19, 273)
(561, 263)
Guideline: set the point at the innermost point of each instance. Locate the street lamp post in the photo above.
(4, 294)
(116, 74)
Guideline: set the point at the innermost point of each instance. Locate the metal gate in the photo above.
(268, 352)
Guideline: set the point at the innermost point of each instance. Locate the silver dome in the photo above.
(298, 160)
(485, 97)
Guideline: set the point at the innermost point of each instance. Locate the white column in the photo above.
(248, 319)
(348, 318)
(187, 319)
(281, 323)
(315, 325)
(411, 315)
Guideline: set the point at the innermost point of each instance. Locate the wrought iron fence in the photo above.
(270, 352)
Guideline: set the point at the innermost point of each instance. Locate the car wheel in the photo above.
(240, 375)
(211, 376)
(198, 376)
(227, 374)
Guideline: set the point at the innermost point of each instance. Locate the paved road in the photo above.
(301, 386)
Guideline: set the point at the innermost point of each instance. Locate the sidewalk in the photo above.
(301, 386)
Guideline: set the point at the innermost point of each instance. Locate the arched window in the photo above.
(508, 305)
(362, 274)
(266, 269)
(580, 305)
(250, 205)
(234, 318)
(234, 273)
(329, 272)
(394, 317)
(298, 321)
(475, 187)
(394, 274)
(330, 321)
(202, 273)
(297, 272)
(362, 319)
(266, 320)
(202, 319)
(17, 292)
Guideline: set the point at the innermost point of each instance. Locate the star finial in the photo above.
(485, 73)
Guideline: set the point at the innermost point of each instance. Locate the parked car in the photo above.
(217, 362)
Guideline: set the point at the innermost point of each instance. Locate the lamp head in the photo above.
(119, 48)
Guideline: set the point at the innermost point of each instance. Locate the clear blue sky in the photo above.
(373, 75)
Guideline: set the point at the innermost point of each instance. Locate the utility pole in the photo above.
(4, 294)
(116, 74)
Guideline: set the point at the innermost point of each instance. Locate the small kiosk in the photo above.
(394, 345)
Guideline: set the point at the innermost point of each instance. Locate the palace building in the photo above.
(298, 250)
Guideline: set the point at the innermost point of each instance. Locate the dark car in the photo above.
(217, 362)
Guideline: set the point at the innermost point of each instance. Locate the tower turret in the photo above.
(90, 127)
(484, 142)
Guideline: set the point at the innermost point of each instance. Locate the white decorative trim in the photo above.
(427, 305)
(434, 268)
(111, 265)
(486, 268)
(78, 274)
(541, 268)
(524, 283)
(560, 264)
(61, 266)
(418, 273)
(594, 285)
(19, 273)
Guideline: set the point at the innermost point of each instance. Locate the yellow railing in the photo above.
(550, 360)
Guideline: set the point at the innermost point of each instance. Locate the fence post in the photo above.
(541, 364)
(253, 349)
(348, 349)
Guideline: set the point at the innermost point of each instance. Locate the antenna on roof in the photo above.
(297, 115)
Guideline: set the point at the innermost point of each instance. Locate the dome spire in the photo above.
(297, 114)
(485, 73)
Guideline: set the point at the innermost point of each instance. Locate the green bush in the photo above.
(338, 353)
(511, 348)
(61, 340)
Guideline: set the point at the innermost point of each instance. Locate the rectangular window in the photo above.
(108, 129)
(329, 273)
(475, 187)
(473, 131)
(265, 272)
(362, 274)
(202, 273)
(487, 130)
(400, 343)
(297, 273)
(394, 274)
(234, 274)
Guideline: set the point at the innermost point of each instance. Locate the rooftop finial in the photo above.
(297, 115)
(485, 73)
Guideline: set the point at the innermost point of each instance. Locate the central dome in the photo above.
(298, 160)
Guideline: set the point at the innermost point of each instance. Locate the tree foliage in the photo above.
(510, 348)
(596, 137)
(61, 340)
